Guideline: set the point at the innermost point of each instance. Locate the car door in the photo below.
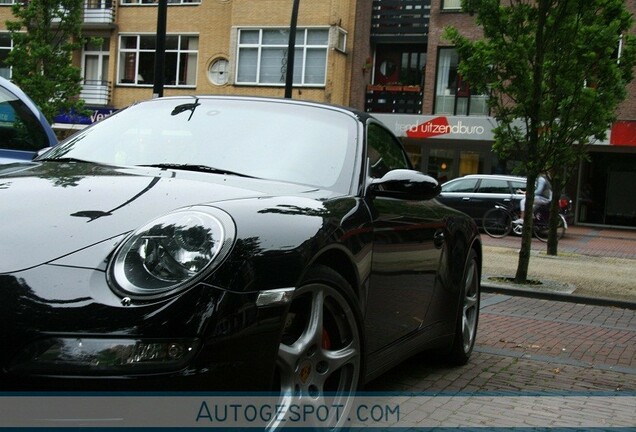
(489, 192)
(458, 194)
(405, 258)
(518, 188)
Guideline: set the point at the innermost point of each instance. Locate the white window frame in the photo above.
(299, 60)
(102, 54)
(8, 48)
(137, 50)
(7, 2)
(155, 2)
(452, 5)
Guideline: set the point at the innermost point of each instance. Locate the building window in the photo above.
(6, 2)
(154, 2)
(452, 93)
(262, 57)
(95, 62)
(6, 44)
(452, 5)
(137, 60)
(218, 71)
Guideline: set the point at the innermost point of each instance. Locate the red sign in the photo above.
(431, 128)
(623, 133)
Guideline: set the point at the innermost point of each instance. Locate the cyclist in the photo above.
(542, 196)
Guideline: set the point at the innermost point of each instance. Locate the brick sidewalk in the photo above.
(529, 347)
(526, 344)
(583, 240)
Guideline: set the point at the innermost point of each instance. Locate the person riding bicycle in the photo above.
(542, 196)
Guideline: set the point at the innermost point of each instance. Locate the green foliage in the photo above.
(554, 76)
(45, 35)
(552, 71)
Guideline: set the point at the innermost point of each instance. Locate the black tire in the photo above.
(541, 229)
(321, 346)
(497, 222)
(468, 314)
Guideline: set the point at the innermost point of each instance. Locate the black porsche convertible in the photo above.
(228, 243)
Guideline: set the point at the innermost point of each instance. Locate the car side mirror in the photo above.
(405, 184)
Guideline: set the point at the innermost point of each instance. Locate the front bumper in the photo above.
(204, 339)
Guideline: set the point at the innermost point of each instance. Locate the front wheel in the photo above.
(497, 222)
(320, 353)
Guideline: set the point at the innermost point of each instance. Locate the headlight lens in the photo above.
(170, 252)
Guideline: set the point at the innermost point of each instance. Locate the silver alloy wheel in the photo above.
(319, 357)
(470, 309)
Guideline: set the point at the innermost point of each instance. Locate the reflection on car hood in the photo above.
(52, 209)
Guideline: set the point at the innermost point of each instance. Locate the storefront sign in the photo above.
(93, 115)
(623, 133)
(448, 127)
(440, 126)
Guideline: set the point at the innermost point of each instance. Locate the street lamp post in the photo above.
(160, 49)
(291, 48)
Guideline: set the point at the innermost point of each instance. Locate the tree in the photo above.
(45, 34)
(555, 78)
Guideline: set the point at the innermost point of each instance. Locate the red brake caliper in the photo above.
(326, 340)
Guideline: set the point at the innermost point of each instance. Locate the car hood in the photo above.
(53, 209)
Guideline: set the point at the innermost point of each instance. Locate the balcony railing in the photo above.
(400, 18)
(99, 11)
(95, 92)
(394, 99)
(95, 12)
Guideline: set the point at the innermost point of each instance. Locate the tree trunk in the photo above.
(526, 234)
(533, 125)
(553, 223)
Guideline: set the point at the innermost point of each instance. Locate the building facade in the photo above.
(387, 57)
(234, 47)
(446, 128)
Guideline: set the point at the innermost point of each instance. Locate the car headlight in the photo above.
(171, 252)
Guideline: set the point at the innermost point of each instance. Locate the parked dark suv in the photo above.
(477, 193)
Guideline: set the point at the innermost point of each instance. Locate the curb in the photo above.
(571, 298)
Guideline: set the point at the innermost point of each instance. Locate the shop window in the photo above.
(440, 164)
(469, 163)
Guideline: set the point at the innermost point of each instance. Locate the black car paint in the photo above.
(282, 230)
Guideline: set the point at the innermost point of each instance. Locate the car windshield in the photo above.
(297, 143)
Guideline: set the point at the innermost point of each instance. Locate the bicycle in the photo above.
(498, 222)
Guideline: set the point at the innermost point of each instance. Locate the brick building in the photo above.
(383, 56)
(219, 47)
(447, 129)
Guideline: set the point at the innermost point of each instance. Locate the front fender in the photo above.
(279, 238)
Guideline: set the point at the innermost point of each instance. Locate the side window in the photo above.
(384, 152)
(467, 185)
(19, 128)
(517, 185)
(494, 186)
